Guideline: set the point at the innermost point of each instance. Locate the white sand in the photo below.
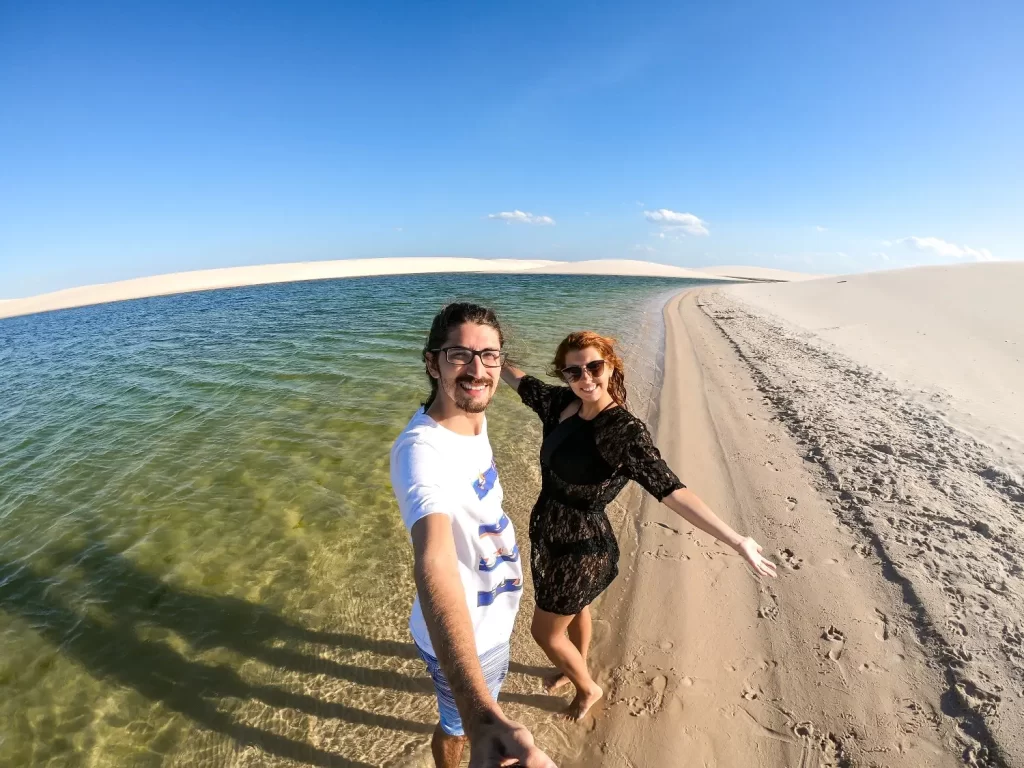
(758, 273)
(234, 277)
(621, 267)
(703, 663)
(953, 334)
(865, 430)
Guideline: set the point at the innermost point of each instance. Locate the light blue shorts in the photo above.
(495, 666)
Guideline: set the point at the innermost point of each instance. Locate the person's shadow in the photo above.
(132, 598)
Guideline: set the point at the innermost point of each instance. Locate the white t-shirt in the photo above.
(437, 471)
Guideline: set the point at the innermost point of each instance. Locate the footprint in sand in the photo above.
(790, 503)
(668, 528)
(804, 730)
(957, 627)
(884, 632)
(978, 699)
(837, 640)
(790, 559)
(769, 610)
(663, 554)
(651, 702)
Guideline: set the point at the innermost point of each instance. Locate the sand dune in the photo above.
(234, 277)
(953, 334)
(758, 273)
(622, 267)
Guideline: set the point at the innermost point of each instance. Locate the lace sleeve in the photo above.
(541, 397)
(643, 463)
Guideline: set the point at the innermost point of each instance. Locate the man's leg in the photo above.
(447, 749)
(449, 740)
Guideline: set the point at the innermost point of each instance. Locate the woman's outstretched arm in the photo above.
(511, 376)
(688, 505)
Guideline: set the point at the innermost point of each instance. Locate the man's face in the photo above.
(470, 386)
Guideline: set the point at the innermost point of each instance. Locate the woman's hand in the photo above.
(751, 552)
(511, 375)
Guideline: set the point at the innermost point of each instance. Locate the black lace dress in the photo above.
(584, 466)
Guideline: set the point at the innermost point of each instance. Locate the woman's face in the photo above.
(578, 372)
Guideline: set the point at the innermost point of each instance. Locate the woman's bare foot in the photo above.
(579, 707)
(554, 681)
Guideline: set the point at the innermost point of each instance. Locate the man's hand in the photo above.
(500, 742)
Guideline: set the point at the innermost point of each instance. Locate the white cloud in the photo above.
(821, 228)
(640, 203)
(672, 220)
(945, 249)
(880, 255)
(644, 248)
(520, 217)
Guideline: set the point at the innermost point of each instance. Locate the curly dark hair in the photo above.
(452, 316)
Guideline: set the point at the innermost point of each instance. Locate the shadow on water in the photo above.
(131, 599)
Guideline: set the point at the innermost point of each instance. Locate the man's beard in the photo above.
(463, 400)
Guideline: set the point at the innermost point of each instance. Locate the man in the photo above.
(469, 577)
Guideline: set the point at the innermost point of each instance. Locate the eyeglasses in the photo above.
(491, 358)
(573, 373)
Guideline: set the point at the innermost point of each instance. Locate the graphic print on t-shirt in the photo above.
(485, 482)
(435, 471)
(508, 585)
(495, 530)
(500, 556)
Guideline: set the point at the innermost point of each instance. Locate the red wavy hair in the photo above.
(579, 340)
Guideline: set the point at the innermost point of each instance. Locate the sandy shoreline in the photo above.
(711, 664)
(235, 277)
(893, 635)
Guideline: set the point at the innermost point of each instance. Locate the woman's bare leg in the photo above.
(580, 632)
(549, 630)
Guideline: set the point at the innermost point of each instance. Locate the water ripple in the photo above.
(200, 559)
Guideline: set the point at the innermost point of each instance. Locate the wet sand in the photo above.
(894, 633)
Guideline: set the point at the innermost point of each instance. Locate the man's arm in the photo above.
(494, 740)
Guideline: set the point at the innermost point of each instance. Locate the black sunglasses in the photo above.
(573, 373)
(491, 358)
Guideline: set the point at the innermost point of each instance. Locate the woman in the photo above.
(592, 447)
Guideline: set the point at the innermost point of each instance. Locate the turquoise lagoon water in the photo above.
(200, 559)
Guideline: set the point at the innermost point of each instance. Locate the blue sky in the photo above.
(141, 138)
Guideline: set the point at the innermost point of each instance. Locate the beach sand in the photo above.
(759, 274)
(893, 635)
(235, 277)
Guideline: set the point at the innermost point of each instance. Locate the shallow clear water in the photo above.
(201, 562)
